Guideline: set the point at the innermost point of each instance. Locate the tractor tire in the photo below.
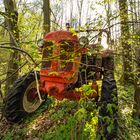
(22, 99)
(108, 110)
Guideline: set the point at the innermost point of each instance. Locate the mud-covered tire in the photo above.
(108, 109)
(15, 109)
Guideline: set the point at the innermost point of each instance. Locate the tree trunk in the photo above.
(12, 26)
(108, 15)
(127, 53)
(80, 7)
(136, 112)
(46, 12)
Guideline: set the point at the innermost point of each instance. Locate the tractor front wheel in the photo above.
(22, 99)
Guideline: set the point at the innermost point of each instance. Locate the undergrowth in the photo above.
(72, 120)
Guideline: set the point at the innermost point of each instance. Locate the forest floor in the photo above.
(71, 120)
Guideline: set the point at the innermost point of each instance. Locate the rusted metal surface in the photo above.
(70, 64)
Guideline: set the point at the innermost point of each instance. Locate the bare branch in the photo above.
(4, 14)
(14, 72)
(19, 49)
(131, 22)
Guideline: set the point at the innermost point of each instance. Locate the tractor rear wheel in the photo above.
(22, 99)
(108, 110)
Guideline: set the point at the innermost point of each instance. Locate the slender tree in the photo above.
(12, 27)
(136, 111)
(134, 12)
(108, 15)
(80, 8)
(46, 13)
(125, 36)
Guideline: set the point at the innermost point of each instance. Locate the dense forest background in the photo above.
(23, 22)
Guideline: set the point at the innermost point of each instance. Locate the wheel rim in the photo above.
(31, 101)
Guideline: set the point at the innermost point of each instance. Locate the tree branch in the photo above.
(14, 72)
(19, 49)
(122, 23)
(4, 14)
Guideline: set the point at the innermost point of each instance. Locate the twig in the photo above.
(122, 23)
(1, 91)
(3, 14)
(14, 72)
(14, 40)
(1, 111)
(19, 49)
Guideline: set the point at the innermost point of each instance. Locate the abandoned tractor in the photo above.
(67, 64)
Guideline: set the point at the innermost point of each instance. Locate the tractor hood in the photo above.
(59, 36)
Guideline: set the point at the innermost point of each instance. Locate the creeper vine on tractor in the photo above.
(66, 66)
